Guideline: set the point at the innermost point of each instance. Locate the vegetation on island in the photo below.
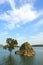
(38, 45)
(26, 50)
(11, 43)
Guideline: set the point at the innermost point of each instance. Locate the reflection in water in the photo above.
(6, 59)
(15, 59)
(9, 61)
(26, 60)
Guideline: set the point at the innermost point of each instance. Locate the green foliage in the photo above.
(25, 46)
(10, 44)
(5, 47)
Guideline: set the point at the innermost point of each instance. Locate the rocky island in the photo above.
(26, 50)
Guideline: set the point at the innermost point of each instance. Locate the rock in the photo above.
(26, 50)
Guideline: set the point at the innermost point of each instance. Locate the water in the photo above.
(13, 59)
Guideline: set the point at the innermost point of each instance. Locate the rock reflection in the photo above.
(26, 60)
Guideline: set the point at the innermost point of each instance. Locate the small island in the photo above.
(26, 50)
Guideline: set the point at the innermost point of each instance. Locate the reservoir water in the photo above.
(13, 59)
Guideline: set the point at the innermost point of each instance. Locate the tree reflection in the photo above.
(9, 61)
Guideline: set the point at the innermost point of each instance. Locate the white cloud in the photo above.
(27, 1)
(24, 14)
(12, 3)
(2, 1)
(2, 34)
(21, 1)
(20, 39)
(37, 39)
(39, 23)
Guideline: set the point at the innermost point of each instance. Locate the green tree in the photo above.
(11, 43)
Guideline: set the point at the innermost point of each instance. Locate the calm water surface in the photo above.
(13, 59)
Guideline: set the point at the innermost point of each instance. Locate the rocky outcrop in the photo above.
(26, 50)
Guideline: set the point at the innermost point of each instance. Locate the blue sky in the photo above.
(21, 20)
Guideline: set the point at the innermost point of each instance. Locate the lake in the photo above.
(14, 59)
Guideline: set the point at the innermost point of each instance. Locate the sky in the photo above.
(21, 20)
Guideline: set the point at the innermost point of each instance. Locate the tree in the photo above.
(5, 46)
(10, 44)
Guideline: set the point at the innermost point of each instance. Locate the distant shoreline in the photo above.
(37, 45)
(32, 46)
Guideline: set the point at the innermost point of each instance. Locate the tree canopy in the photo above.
(11, 43)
